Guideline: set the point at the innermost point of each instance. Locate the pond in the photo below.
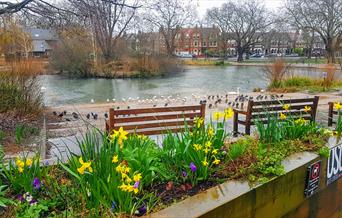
(61, 90)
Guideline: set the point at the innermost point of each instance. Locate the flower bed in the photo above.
(121, 174)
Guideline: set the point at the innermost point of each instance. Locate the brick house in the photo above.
(198, 41)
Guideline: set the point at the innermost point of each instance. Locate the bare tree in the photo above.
(169, 16)
(244, 22)
(11, 7)
(321, 16)
(109, 19)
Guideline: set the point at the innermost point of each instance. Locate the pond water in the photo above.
(61, 90)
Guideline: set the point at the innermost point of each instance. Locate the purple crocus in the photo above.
(184, 173)
(193, 167)
(142, 210)
(136, 184)
(36, 183)
(33, 202)
(21, 198)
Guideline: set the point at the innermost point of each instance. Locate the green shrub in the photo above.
(238, 148)
(298, 81)
(23, 131)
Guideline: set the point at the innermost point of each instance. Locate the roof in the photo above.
(42, 34)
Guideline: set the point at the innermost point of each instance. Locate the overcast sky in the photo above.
(203, 5)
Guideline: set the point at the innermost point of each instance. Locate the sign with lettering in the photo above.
(334, 170)
(312, 178)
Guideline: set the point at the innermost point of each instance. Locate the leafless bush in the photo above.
(276, 72)
(329, 76)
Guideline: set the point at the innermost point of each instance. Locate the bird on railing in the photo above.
(88, 116)
(210, 106)
(106, 115)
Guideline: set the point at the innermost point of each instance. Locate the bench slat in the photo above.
(287, 113)
(157, 110)
(156, 117)
(286, 101)
(155, 125)
(280, 108)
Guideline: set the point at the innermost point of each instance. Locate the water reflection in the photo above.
(200, 80)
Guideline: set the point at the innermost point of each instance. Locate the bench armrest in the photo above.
(240, 111)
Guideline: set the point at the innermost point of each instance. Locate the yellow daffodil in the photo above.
(198, 121)
(205, 162)
(130, 188)
(300, 121)
(286, 107)
(20, 169)
(217, 116)
(136, 190)
(123, 187)
(84, 166)
(137, 177)
(214, 151)
(282, 116)
(115, 159)
(211, 132)
(307, 109)
(142, 137)
(337, 106)
(120, 135)
(206, 150)
(208, 144)
(19, 163)
(197, 147)
(119, 168)
(29, 162)
(228, 113)
(216, 161)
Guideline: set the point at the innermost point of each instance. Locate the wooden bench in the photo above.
(331, 114)
(154, 121)
(260, 110)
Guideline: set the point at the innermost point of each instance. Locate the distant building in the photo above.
(43, 41)
(198, 41)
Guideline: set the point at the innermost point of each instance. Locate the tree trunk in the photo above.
(240, 54)
(330, 51)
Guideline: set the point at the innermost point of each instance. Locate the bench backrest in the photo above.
(331, 113)
(260, 110)
(154, 121)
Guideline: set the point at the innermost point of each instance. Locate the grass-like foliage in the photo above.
(20, 89)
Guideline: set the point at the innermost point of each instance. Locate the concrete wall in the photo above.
(284, 197)
(281, 197)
